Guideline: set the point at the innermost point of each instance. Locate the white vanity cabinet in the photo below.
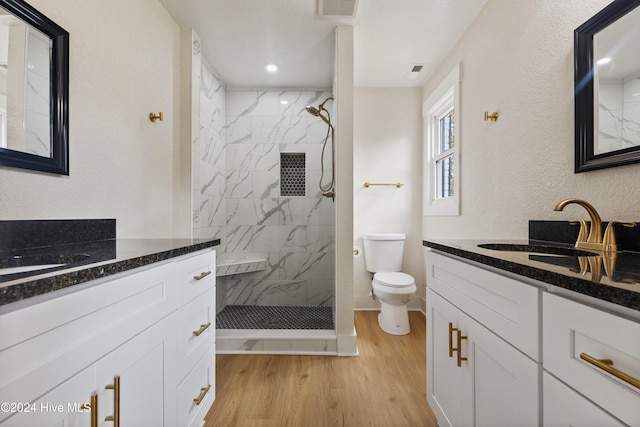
(576, 339)
(479, 325)
(195, 335)
(535, 354)
(112, 343)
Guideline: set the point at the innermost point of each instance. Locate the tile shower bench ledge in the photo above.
(622, 289)
(228, 264)
(106, 258)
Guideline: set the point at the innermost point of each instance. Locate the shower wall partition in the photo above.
(256, 168)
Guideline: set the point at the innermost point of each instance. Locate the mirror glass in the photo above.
(607, 88)
(24, 87)
(617, 84)
(34, 63)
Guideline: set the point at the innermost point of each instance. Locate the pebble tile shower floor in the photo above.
(275, 317)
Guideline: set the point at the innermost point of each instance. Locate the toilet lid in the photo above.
(394, 279)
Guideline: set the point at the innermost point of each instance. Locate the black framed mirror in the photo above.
(607, 68)
(34, 90)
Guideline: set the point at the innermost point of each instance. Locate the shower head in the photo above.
(312, 110)
(317, 112)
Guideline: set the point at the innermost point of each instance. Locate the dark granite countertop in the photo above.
(615, 279)
(90, 260)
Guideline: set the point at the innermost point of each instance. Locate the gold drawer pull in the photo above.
(451, 329)
(605, 365)
(202, 275)
(203, 393)
(94, 410)
(202, 329)
(459, 349)
(116, 401)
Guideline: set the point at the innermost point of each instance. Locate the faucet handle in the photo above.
(609, 241)
(583, 234)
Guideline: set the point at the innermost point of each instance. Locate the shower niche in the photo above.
(293, 178)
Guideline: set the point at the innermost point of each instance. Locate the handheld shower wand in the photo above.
(327, 190)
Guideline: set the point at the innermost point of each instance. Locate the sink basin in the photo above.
(32, 263)
(550, 250)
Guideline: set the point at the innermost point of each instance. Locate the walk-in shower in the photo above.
(265, 188)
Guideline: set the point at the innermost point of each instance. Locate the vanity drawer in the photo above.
(564, 407)
(195, 276)
(197, 392)
(573, 331)
(507, 307)
(196, 331)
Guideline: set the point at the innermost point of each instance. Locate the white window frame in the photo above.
(441, 100)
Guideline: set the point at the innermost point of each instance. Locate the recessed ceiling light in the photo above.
(603, 60)
(272, 68)
(284, 102)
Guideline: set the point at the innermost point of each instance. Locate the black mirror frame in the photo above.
(58, 163)
(585, 157)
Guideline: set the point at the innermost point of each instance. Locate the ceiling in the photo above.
(240, 37)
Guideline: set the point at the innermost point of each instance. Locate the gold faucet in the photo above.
(594, 240)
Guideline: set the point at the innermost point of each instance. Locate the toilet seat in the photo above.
(394, 279)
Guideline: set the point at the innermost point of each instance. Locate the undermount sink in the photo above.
(32, 263)
(549, 250)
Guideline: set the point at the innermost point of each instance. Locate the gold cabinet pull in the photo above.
(459, 349)
(203, 328)
(94, 410)
(203, 393)
(116, 401)
(606, 365)
(451, 329)
(202, 275)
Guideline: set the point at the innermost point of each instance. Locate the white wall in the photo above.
(517, 59)
(387, 149)
(124, 64)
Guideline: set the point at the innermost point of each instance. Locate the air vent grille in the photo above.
(337, 8)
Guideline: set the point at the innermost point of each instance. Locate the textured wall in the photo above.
(387, 141)
(122, 165)
(517, 59)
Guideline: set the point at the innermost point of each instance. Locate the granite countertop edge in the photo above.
(623, 297)
(62, 279)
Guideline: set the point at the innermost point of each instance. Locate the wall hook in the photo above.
(154, 117)
(493, 116)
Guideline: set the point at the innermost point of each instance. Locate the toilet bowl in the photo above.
(394, 289)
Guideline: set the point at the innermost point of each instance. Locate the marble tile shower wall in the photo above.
(209, 151)
(295, 234)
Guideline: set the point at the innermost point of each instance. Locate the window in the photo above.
(441, 113)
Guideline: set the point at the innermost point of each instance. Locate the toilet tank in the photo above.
(383, 251)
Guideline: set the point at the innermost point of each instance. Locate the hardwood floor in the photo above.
(383, 386)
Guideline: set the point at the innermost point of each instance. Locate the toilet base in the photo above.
(394, 319)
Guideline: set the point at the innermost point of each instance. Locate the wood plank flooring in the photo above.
(384, 386)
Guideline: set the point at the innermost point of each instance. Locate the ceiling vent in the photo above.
(337, 8)
(415, 70)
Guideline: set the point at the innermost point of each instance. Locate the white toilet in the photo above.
(383, 256)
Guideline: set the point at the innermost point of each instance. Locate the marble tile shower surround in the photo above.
(296, 234)
(237, 140)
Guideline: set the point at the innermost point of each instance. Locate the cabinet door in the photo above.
(505, 381)
(564, 407)
(145, 368)
(492, 384)
(444, 378)
(67, 405)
